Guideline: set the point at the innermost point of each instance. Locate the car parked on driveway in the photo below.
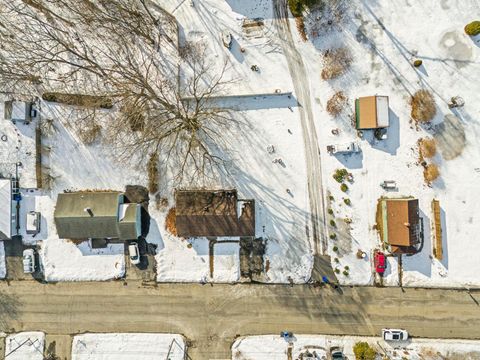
(379, 260)
(394, 334)
(134, 253)
(28, 261)
(336, 353)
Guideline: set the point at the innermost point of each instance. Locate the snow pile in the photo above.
(128, 346)
(272, 347)
(25, 346)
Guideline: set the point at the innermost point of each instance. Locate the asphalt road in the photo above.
(210, 317)
(298, 72)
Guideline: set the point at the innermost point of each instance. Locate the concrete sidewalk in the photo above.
(212, 316)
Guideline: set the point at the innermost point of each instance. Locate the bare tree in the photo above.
(126, 51)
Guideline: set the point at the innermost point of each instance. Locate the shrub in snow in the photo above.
(427, 148)
(363, 351)
(333, 236)
(336, 103)
(170, 222)
(344, 187)
(336, 260)
(347, 201)
(417, 63)
(335, 63)
(337, 271)
(335, 248)
(152, 168)
(431, 173)
(345, 272)
(473, 28)
(423, 106)
(330, 211)
(340, 175)
(298, 6)
(332, 223)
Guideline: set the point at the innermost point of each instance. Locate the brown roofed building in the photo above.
(400, 225)
(371, 112)
(213, 213)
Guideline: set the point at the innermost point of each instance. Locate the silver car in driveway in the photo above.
(28, 261)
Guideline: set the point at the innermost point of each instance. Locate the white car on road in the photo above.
(394, 334)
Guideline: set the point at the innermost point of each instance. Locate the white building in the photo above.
(7, 215)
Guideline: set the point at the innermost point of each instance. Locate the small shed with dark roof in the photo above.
(213, 213)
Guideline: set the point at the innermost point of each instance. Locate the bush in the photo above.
(344, 187)
(337, 271)
(473, 28)
(333, 236)
(332, 223)
(335, 63)
(171, 222)
(431, 173)
(340, 175)
(336, 260)
(336, 103)
(152, 168)
(335, 248)
(346, 267)
(330, 211)
(88, 133)
(423, 106)
(347, 201)
(331, 198)
(298, 6)
(427, 147)
(363, 351)
(345, 272)
(417, 63)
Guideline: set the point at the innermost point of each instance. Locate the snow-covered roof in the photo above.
(16, 110)
(6, 209)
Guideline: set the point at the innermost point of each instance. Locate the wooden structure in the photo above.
(437, 230)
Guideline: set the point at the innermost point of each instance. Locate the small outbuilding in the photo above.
(15, 110)
(398, 221)
(97, 215)
(213, 213)
(371, 112)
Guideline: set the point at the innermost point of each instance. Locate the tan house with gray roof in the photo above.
(97, 215)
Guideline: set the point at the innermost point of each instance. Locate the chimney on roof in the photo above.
(89, 211)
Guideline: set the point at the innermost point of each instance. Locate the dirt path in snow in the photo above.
(312, 152)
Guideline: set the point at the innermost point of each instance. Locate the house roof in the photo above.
(73, 221)
(213, 213)
(6, 208)
(371, 112)
(402, 220)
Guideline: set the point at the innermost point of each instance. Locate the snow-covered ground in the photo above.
(25, 346)
(384, 38)
(272, 347)
(128, 346)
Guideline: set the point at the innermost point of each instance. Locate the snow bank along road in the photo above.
(211, 317)
(312, 151)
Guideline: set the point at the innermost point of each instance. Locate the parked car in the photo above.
(336, 353)
(134, 253)
(28, 261)
(394, 334)
(348, 148)
(33, 222)
(379, 261)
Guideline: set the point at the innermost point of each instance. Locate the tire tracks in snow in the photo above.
(312, 152)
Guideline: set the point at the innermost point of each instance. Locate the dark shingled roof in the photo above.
(213, 213)
(74, 222)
